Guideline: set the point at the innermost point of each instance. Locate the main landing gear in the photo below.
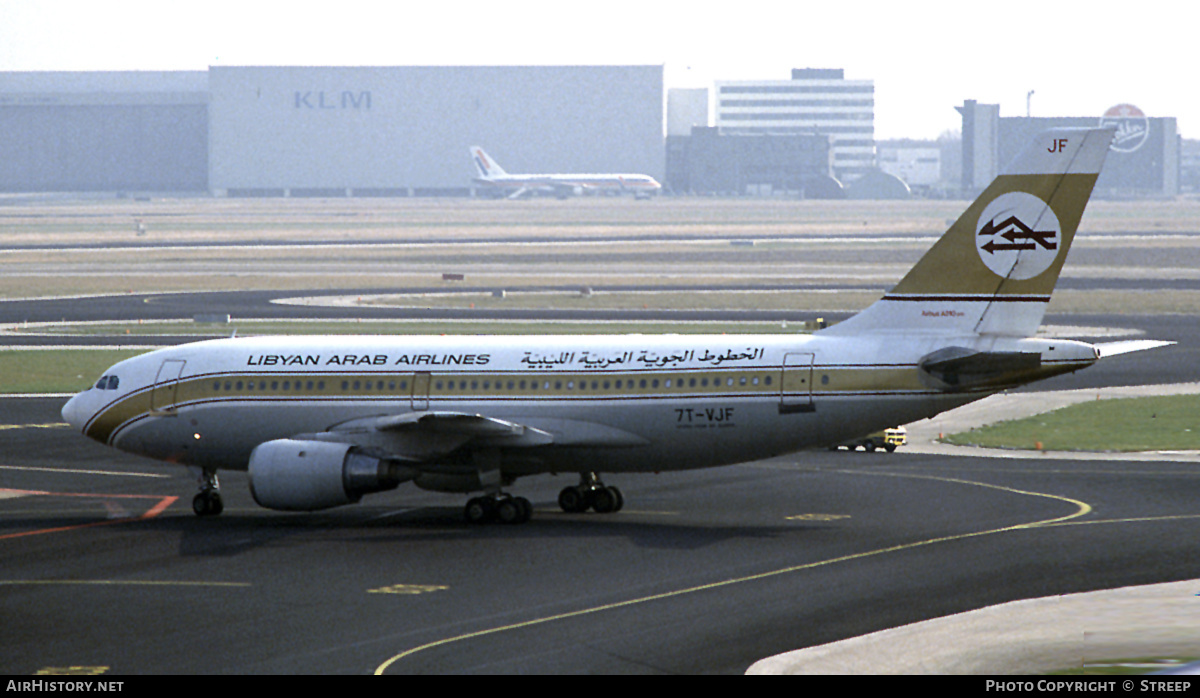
(208, 501)
(500, 507)
(592, 494)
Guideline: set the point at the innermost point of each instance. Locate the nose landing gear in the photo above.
(208, 501)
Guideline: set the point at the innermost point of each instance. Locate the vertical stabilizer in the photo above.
(993, 271)
(485, 167)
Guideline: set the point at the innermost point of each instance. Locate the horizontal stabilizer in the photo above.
(1107, 349)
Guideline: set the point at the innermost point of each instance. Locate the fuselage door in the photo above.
(795, 391)
(420, 391)
(166, 387)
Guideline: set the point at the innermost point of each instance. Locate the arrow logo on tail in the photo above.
(1018, 235)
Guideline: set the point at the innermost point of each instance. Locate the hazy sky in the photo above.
(925, 56)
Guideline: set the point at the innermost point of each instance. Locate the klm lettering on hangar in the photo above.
(320, 99)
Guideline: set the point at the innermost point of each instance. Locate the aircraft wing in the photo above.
(417, 437)
(474, 426)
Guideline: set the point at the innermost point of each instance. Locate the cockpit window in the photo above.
(108, 383)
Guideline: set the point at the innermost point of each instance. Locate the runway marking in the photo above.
(158, 508)
(78, 471)
(409, 589)
(118, 582)
(1082, 509)
(54, 425)
(1132, 519)
(71, 671)
(817, 517)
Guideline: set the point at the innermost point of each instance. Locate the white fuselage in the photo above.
(612, 403)
(622, 182)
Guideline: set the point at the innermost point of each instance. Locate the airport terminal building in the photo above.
(1144, 160)
(405, 131)
(323, 131)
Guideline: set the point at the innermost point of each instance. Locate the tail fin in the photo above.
(485, 167)
(993, 271)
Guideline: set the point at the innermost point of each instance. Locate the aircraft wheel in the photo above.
(573, 500)
(607, 500)
(513, 510)
(619, 497)
(479, 510)
(208, 504)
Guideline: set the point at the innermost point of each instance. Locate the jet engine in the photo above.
(309, 475)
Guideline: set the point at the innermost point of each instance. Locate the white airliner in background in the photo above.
(489, 173)
(320, 421)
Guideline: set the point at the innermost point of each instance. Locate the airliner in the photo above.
(489, 173)
(321, 421)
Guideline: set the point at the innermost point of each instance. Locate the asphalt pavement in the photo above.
(1032, 636)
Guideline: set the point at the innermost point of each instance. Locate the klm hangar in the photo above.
(323, 131)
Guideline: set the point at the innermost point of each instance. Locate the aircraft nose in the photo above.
(72, 412)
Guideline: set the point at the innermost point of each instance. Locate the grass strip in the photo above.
(1164, 423)
(56, 370)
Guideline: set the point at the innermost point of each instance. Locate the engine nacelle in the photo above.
(309, 475)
